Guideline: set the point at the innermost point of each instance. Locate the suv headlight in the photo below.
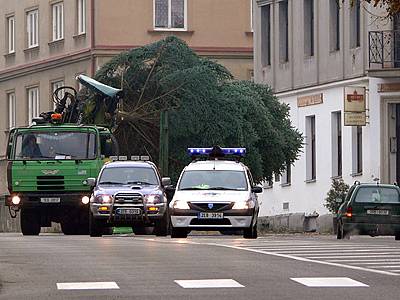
(153, 199)
(244, 204)
(104, 199)
(180, 204)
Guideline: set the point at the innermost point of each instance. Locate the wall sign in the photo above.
(310, 100)
(354, 106)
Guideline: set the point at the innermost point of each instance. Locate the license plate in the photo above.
(128, 211)
(383, 212)
(208, 215)
(50, 200)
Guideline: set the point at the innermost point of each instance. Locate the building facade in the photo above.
(321, 59)
(47, 43)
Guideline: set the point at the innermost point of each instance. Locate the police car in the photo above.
(215, 193)
(129, 193)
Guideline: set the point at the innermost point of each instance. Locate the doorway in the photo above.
(396, 40)
(397, 141)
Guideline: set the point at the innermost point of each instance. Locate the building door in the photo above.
(397, 139)
(396, 40)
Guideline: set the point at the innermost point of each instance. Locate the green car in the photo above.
(372, 209)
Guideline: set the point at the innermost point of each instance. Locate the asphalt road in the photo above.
(146, 267)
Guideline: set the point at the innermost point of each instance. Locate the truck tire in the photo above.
(69, 226)
(178, 232)
(30, 222)
(96, 227)
(162, 225)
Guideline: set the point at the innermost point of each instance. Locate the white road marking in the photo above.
(306, 259)
(361, 260)
(87, 285)
(208, 283)
(335, 251)
(356, 256)
(377, 263)
(329, 282)
(386, 267)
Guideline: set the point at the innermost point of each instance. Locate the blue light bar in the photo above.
(207, 151)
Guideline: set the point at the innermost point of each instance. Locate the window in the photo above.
(251, 15)
(310, 149)
(287, 175)
(32, 21)
(355, 24)
(283, 31)
(170, 14)
(309, 27)
(58, 21)
(357, 164)
(334, 23)
(81, 16)
(11, 110)
(266, 35)
(55, 85)
(33, 103)
(11, 34)
(336, 128)
(277, 177)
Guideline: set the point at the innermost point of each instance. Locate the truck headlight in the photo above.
(16, 200)
(180, 204)
(153, 199)
(243, 204)
(85, 200)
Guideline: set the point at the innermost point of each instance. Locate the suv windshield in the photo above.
(129, 175)
(377, 195)
(213, 180)
(55, 145)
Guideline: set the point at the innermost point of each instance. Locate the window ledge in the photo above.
(9, 54)
(32, 49)
(310, 180)
(286, 184)
(336, 177)
(249, 33)
(356, 174)
(170, 30)
(56, 42)
(79, 35)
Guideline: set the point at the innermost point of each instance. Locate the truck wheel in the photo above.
(69, 227)
(162, 225)
(30, 222)
(96, 227)
(178, 232)
(251, 232)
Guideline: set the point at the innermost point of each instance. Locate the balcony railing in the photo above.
(384, 49)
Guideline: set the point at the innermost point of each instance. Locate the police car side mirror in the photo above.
(165, 181)
(91, 182)
(257, 189)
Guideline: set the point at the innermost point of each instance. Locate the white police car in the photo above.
(215, 194)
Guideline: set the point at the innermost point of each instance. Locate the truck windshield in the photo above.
(129, 175)
(213, 180)
(55, 145)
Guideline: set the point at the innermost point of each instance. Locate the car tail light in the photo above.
(349, 212)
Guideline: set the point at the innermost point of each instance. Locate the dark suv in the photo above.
(129, 193)
(372, 209)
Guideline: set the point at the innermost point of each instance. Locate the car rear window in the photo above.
(377, 195)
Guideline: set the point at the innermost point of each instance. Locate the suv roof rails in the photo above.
(356, 182)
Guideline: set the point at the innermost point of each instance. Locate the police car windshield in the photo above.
(213, 180)
(129, 175)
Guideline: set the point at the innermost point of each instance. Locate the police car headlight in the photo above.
(243, 204)
(152, 199)
(180, 204)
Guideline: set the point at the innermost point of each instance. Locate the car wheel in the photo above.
(30, 222)
(339, 231)
(162, 225)
(140, 229)
(397, 236)
(251, 232)
(178, 232)
(96, 227)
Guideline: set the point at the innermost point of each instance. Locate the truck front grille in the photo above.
(128, 198)
(50, 183)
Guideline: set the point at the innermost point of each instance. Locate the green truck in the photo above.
(49, 162)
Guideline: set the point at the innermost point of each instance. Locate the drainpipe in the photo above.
(92, 37)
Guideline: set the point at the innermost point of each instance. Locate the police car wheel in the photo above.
(178, 232)
(251, 232)
(161, 226)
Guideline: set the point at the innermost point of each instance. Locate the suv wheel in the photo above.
(30, 222)
(162, 225)
(96, 227)
(397, 236)
(178, 232)
(251, 232)
(342, 233)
